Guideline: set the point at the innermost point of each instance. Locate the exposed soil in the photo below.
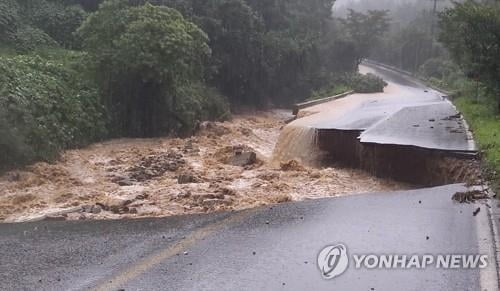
(226, 166)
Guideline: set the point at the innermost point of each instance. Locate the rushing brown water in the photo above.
(132, 178)
(299, 139)
(300, 143)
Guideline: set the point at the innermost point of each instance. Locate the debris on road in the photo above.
(469, 196)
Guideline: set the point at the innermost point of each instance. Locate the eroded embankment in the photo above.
(419, 166)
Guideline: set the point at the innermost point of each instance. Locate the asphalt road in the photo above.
(407, 113)
(270, 248)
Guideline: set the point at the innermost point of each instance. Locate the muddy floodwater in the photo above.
(226, 166)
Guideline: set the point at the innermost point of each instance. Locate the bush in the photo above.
(332, 90)
(9, 18)
(145, 57)
(27, 25)
(368, 83)
(485, 124)
(58, 20)
(28, 38)
(198, 103)
(45, 108)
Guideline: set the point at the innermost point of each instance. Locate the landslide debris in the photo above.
(239, 155)
(225, 166)
(156, 165)
(472, 196)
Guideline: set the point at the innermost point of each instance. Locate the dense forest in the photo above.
(76, 71)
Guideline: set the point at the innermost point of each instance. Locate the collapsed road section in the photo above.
(409, 132)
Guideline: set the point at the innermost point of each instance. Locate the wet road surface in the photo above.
(270, 248)
(407, 113)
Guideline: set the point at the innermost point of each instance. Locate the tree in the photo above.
(365, 30)
(9, 19)
(237, 45)
(471, 32)
(56, 19)
(144, 56)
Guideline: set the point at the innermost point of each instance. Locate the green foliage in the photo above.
(411, 38)
(471, 32)
(46, 107)
(28, 38)
(368, 83)
(197, 103)
(443, 73)
(357, 82)
(237, 47)
(57, 19)
(329, 91)
(29, 24)
(366, 30)
(9, 19)
(157, 71)
(145, 56)
(485, 124)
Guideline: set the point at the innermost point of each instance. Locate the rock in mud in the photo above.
(212, 128)
(240, 156)
(191, 148)
(187, 178)
(156, 165)
(214, 202)
(227, 191)
(94, 209)
(115, 205)
(242, 159)
(269, 176)
(122, 181)
(292, 165)
(245, 131)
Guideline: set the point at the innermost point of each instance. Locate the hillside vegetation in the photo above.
(75, 71)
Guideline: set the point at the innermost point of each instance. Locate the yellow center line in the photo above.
(151, 261)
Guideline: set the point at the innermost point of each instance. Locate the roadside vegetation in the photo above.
(470, 31)
(356, 82)
(456, 48)
(485, 124)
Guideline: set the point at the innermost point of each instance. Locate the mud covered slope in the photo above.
(225, 167)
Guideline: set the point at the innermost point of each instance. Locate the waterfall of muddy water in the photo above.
(299, 143)
(298, 140)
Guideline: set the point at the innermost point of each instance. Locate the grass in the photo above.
(485, 124)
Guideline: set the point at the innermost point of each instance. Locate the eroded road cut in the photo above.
(409, 132)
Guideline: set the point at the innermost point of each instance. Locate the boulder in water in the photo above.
(292, 165)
